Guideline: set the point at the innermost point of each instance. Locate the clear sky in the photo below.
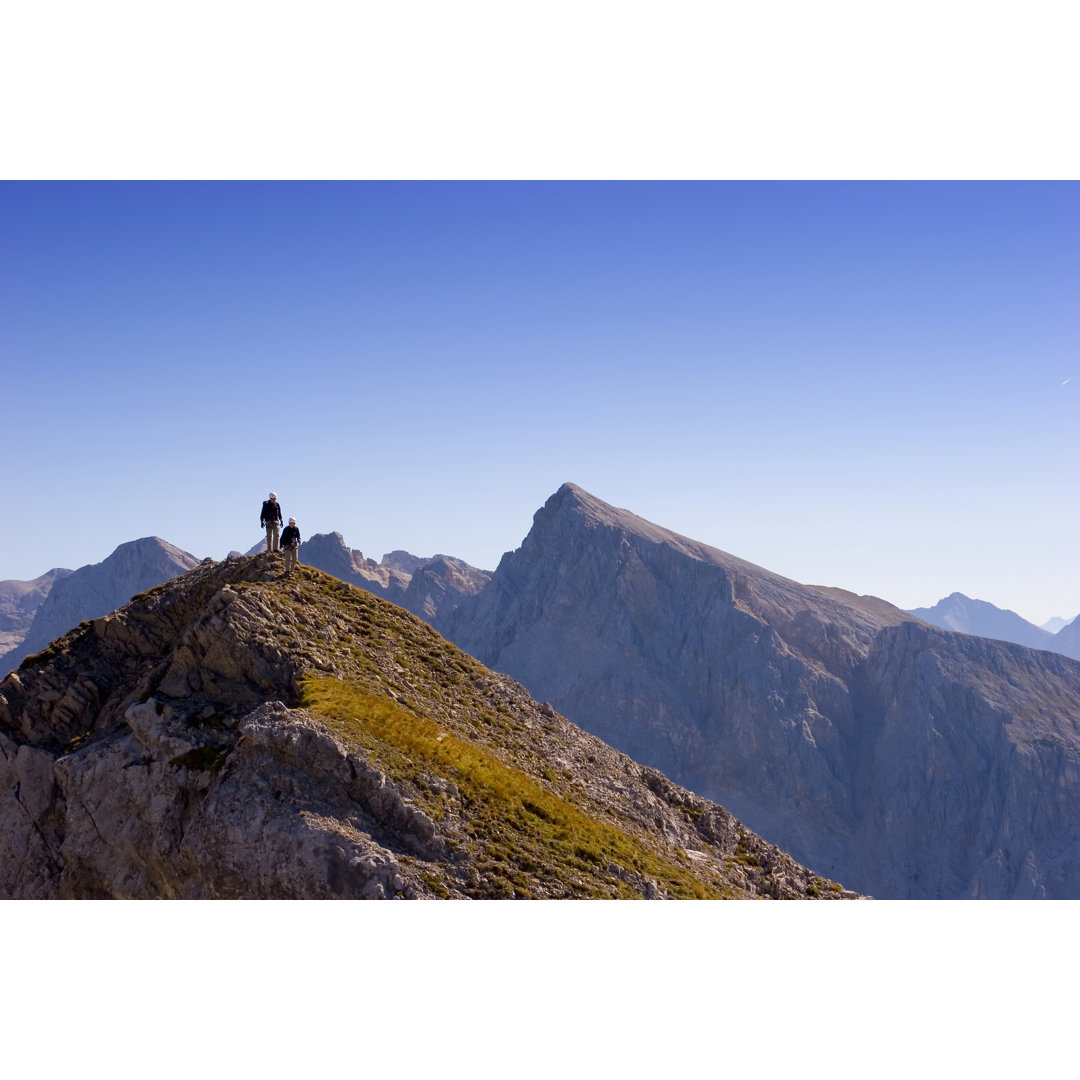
(867, 385)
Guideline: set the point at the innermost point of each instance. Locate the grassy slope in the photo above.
(527, 804)
(475, 759)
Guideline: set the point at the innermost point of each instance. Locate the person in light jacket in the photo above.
(290, 544)
(270, 518)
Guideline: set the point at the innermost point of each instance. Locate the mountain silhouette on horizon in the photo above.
(966, 616)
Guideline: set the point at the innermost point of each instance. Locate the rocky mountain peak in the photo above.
(573, 502)
(837, 725)
(330, 552)
(428, 587)
(402, 561)
(234, 733)
(979, 617)
(149, 549)
(582, 551)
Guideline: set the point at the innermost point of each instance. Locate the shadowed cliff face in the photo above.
(236, 733)
(969, 778)
(906, 760)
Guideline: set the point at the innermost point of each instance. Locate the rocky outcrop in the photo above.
(904, 760)
(98, 589)
(233, 733)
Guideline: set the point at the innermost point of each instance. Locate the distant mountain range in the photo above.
(903, 758)
(19, 601)
(429, 587)
(424, 586)
(33, 613)
(90, 591)
(961, 613)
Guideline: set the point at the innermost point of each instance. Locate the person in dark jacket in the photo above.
(270, 518)
(290, 544)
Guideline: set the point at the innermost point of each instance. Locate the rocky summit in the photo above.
(234, 733)
(905, 760)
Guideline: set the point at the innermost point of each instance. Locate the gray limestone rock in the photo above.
(164, 751)
(904, 760)
(429, 588)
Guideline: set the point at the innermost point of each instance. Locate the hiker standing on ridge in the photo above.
(271, 519)
(290, 544)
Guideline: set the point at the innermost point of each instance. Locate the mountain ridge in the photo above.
(29, 620)
(776, 699)
(424, 586)
(236, 733)
(448, 578)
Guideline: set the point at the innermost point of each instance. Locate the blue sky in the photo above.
(867, 385)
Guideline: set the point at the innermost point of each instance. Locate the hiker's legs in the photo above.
(272, 536)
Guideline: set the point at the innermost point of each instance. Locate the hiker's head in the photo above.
(292, 521)
(273, 494)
